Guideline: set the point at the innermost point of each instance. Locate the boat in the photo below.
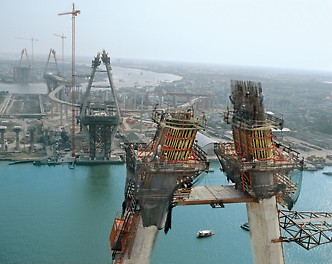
(71, 165)
(245, 226)
(53, 162)
(49, 162)
(205, 233)
(319, 166)
(39, 162)
(329, 173)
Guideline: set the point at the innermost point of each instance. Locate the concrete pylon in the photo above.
(61, 107)
(2, 138)
(143, 245)
(17, 130)
(264, 227)
(100, 119)
(153, 175)
(32, 130)
(256, 164)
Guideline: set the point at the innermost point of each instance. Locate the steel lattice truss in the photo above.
(308, 229)
(100, 138)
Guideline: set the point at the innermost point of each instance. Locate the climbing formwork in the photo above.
(254, 153)
(260, 167)
(155, 171)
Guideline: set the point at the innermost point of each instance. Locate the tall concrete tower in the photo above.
(17, 130)
(259, 167)
(2, 138)
(172, 160)
(99, 117)
(32, 130)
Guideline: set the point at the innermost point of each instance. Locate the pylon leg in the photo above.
(264, 227)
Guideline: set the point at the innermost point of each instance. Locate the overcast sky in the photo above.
(271, 33)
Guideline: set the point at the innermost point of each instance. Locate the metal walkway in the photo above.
(213, 195)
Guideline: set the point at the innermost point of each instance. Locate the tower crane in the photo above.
(73, 14)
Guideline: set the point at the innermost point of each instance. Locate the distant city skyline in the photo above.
(264, 33)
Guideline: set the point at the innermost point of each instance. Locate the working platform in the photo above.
(211, 195)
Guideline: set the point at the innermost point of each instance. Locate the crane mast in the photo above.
(73, 13)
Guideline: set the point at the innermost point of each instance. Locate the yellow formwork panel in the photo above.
(261, 143)
(256, 144)
(178, 143)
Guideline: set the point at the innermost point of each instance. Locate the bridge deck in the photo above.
(212, 195)
(52, 96)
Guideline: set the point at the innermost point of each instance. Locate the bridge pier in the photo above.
(264, 228)
(61, 108)
(53, 82)
(17, 130)
(2, 138)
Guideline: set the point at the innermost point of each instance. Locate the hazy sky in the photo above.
(275, 33)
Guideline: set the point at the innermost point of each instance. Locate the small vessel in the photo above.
(245, 226)
(205, 233)
(329, 173)
(53, 162)
(38, 163)
(319, 166)
(71, 165)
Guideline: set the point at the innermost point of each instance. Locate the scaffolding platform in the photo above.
(213, 195)
(307, 229)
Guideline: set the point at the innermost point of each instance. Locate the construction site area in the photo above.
(34, 107)
(166, 134)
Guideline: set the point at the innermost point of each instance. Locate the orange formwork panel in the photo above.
(115, 233)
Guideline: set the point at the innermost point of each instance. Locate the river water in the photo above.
(122, 77)
(59, 215)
